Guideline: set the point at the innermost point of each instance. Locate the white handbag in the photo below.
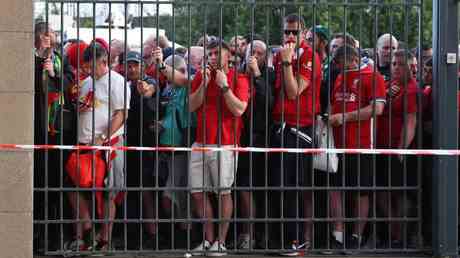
(327, 162)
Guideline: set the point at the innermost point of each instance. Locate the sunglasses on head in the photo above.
(293, 32)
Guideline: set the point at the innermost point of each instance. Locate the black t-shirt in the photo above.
(148, 107)
(262, 101)
(385, 71)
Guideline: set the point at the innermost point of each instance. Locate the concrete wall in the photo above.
(16, 116)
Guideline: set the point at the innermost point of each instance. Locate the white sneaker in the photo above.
(201, 248)
(217, 249)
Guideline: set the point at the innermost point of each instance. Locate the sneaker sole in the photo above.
(197, 254)
(216, 254)
(350, 252)
(290, 254)
(327, 252)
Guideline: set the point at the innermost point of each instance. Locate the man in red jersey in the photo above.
(219, 96)
(297, 88)
(396, 130)
(358, 95)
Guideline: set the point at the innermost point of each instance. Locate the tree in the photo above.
(362, 18)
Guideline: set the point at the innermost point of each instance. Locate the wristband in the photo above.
(162, 66)
(225, 88)
(286, 63)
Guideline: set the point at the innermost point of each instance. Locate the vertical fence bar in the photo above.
(419, 129)
(189, 118)
(267, 226)
(46, 119)
(141, 137)
(157, 118)
(124, 136)
(445, 40)
(252, 213)
(61, 130)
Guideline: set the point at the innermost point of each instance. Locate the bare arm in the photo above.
(364, 113)
(117, 121)
(196, 98)
(175, 76)
(293, 87)
(408, 131)
(234, 104)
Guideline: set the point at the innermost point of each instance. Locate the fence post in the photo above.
(445, 46)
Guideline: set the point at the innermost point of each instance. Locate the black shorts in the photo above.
(391, 169)
(151, 176)
(245, 177)
(290, 169)
(257, 177)
(354, 170)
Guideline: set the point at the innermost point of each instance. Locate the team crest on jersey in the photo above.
(345, 97)
(355, 84)
(308, 65)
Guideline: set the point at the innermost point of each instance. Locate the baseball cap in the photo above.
(322, 32)
(133, 56)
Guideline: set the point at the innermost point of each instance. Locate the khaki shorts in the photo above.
(204, 170)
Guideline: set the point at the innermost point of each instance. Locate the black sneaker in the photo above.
(415, 242)
(396, 244)
(352, 246)
(335, 247)
(149, 243)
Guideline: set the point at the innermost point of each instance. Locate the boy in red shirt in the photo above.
(358, 95)
(297, 91)
(219, 96)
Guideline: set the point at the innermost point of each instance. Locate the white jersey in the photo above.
(101, 98)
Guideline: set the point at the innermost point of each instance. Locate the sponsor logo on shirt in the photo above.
(345, 97)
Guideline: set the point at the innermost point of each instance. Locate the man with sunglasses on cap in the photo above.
(318, 38)
(297, 88)
(219, 95)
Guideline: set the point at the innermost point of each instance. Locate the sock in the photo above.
(338, 236)
(357, 236)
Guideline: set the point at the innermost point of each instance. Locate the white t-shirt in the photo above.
(101, 105)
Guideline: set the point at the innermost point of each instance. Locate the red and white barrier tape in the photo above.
(421, 152)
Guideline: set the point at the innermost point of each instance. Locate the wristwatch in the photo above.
(103, 137)
(225, 88)
(286, 63)
(161, 66)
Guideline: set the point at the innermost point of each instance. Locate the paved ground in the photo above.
(256, 256)
(240, 256)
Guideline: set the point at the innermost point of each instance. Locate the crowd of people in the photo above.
(241, 93)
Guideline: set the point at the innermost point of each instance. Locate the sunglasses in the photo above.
(293, 32)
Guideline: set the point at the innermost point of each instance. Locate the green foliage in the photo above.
(192, 19)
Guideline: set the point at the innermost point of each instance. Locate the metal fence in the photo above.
(288, 127)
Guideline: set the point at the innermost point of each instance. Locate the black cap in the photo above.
(94, 50)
